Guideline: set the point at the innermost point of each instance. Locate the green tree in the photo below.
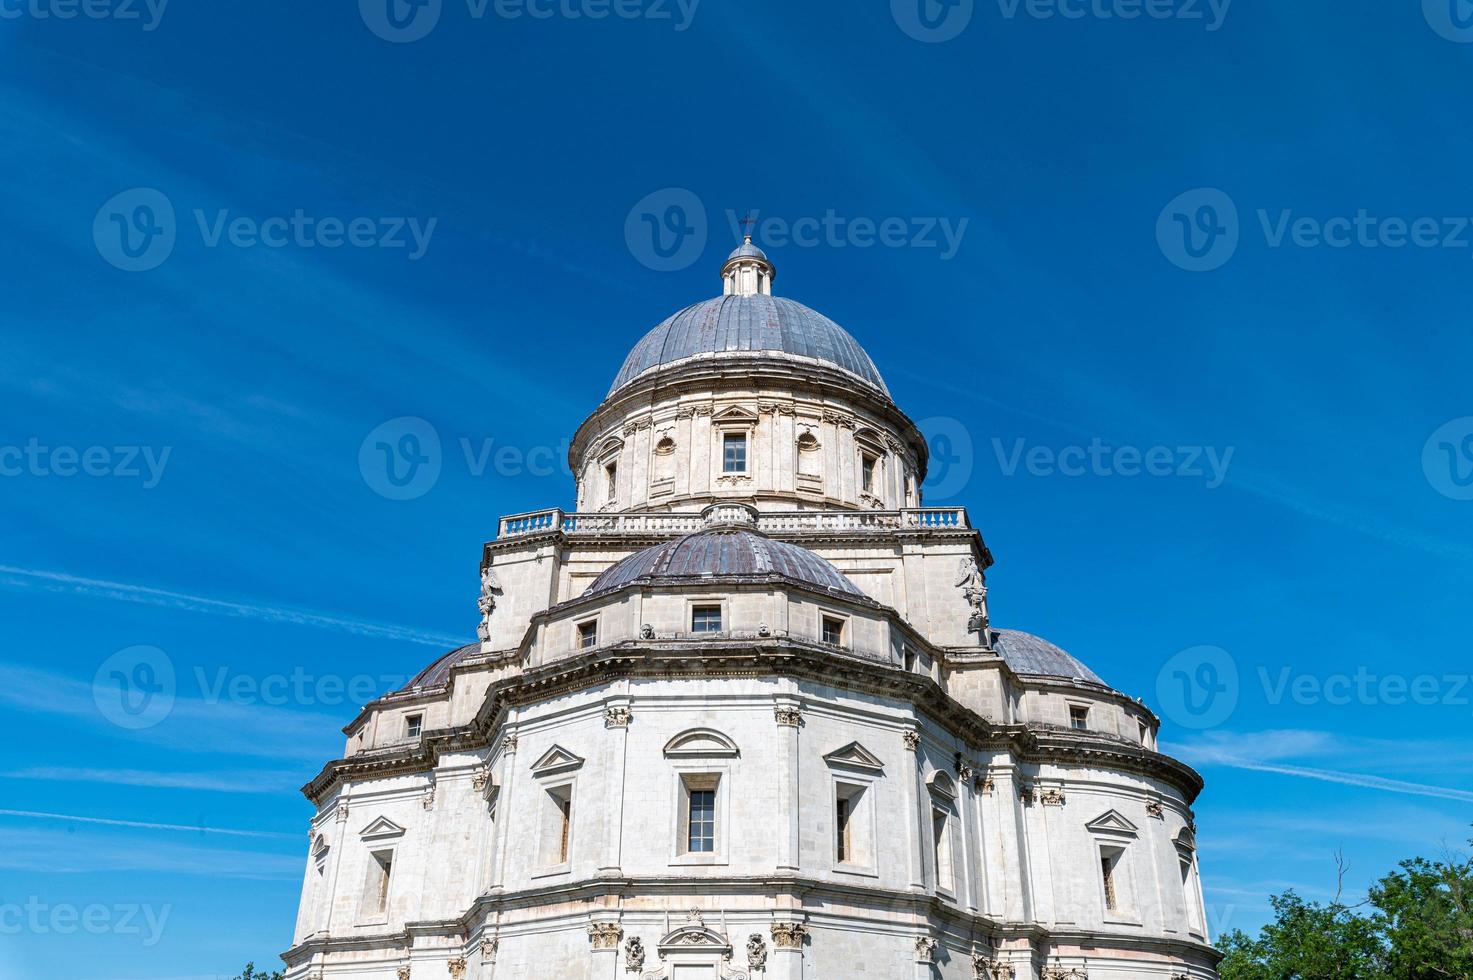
(1306, 941)
(251, 973)
(1425, 914)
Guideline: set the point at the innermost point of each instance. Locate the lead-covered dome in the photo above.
(736, 324)
(1029, 654)
(723, 552)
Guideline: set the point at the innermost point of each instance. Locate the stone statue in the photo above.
(969, 580)
(490, 585)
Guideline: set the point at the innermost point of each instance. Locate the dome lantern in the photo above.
(747, 271)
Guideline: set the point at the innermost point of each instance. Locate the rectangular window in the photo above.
(705, 619)
(842, 843)
(1078, 717)
(1189, 895)
(376, 886)
(557, 826)
(941, 833)
(413, 725)
(588, 634)
(701, 838)
(833, 630)
(1107, 868)
(1145, 733)
(734, 452)
(611, 479)
(867, 472)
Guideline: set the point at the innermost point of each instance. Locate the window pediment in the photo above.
(942, 785)
(855, 756)
(556, 760)
(700, 743)
(1112, 824)
(382, 828)
(735, 415)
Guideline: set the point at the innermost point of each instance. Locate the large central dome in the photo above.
(748, 319)
(731, 324)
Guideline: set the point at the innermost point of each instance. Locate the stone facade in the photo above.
(731, 772)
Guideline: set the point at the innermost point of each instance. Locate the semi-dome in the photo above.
(724, 552)
(438, 672)
(1029, 654)
(739, 323)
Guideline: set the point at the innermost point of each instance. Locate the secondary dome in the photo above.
(1029, 654)
(725, 552)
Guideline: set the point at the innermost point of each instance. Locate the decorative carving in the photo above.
(488, 950)
(1059, 973)
(756, 952)
(974, 589)
(925, 949)
(490, 586)
(787, 935)
(1155, 809)
(986, 786)
(617, 717)
(912, 739)
(481, 779)
(646, 632)
(989, 969)
(633, 954)
(763, 629)
(788, 716)
(341, 815)
(1052, 797)
(1027, 794)
(403, 972)
(456, 967)
(604, 935)
(509, 743)
(840, 419)
(428, 800)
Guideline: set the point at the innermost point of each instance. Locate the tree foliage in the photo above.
(251, 973)
(1416, 924)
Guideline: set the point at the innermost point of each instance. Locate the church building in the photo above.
(742, 714)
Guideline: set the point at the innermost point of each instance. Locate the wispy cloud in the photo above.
(141, 825)
(14, 577)
(80, 850)
(1280, 752)
(216, 782)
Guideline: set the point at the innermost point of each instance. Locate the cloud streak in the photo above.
(143, 825)
(15, 577)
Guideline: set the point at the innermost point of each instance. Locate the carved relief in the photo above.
(633, 954)
(646, 632)
(756, 952)
(925, 949)
(481, 779)
(1059, 973)
(509, 743)
(456, 967)
(488, 950)
(989, 969)
(617, 717)
(788, 716)
(1155, 809)
(1052, 797)
(788, 935)
(912, 739)
(403, 972)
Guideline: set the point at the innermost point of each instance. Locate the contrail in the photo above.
(124, 592)
(70, 818)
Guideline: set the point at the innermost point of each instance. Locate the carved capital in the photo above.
(985, 785)
(788, 716)
(488, 950)
(912, 738)
(788, 935)
(617, 717)
(984, 968)
(481, 779)
(1052, 797)
(1155, 809)
(456, 967)
(341, 814)
(925, 949)
(509, 744)
(604, 935)
(403, 972)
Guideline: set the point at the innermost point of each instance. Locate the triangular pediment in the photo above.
(381, 828)
(855, 756)
(1111, 822)
(555, 760)
(735, 413)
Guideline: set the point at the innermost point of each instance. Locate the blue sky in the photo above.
(225, 526)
